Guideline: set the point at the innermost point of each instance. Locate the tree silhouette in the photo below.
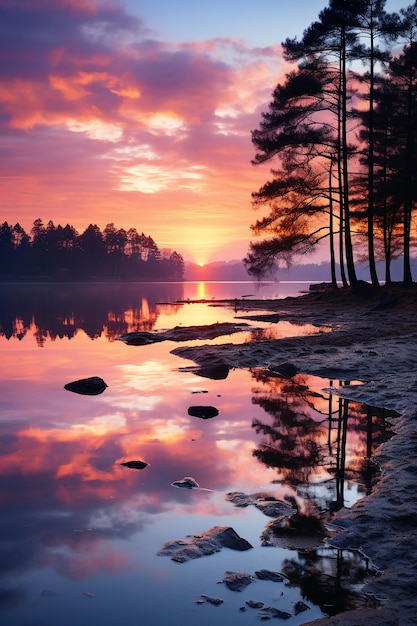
(60, 253)
(337, 162)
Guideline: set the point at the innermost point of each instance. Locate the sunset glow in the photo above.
(115, 126)
(115, 111)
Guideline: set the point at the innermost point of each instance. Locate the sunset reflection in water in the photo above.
(74, 519)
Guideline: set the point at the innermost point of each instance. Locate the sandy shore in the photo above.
(372, 338)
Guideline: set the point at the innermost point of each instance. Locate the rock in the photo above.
(183, 333)
(254, 604)
(270, 611)
(228, 538)
(274, 508)
(300, 606)
(272, 532)
(237, 581)
(218, 371)
(92, 386)
(212, 600)
(207, 543)
(182, 551)
(273, 318)
(239, 499)
(320, 286)
(266, 574)
(141, 338)
(285, 369)
(297, 531)
(186, 483)
(135, 464)
(306, 525)
(269, 507)
(203, 412)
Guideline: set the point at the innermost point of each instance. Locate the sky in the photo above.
(139, 112)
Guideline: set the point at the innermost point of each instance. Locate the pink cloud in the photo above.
(93, 110)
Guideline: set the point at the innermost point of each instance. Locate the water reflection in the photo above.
(55, 311)
(314, 438)
(331, 578)
(62, 310)
(323, 446)
(75, 520)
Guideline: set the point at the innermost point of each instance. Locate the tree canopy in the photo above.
(344, 158)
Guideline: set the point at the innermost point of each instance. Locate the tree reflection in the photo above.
(62, 310)
(330, 578)
(314, 438)
(319, 444)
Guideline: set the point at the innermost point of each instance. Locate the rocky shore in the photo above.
(368, 336)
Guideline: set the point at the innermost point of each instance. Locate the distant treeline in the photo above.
(61, 253)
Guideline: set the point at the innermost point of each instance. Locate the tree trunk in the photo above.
(350, 264)
(331, 230)
(371, 250)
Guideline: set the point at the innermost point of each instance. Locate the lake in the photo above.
(81, 533)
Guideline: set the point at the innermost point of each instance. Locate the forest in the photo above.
(341, 136)
(60, 253)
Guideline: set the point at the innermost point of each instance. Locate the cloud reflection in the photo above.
(68, 504)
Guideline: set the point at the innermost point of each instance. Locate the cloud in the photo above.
(96, 110)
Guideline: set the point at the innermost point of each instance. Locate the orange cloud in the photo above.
(103, 117)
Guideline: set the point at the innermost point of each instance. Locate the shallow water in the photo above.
(80, 532)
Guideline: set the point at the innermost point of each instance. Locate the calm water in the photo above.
(80, 532)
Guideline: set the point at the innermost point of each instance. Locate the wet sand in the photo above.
(369, 337)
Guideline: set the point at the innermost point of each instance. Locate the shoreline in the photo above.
(372, 339)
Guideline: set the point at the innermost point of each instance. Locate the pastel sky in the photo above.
(139, 113)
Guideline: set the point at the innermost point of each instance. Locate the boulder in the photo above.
(285, 369)
(135, 464)
(268, 612)
(273, 508)
(255, 604)
(207, 543)
(186, 483)
(300, 607)
(212, 599)
(267, 505)
(320, 286)
(266, 574)
(237, 581)
(217, 371)
(203, 412)
(92, 386)
(228, 538)
(297, 531)
(142, 338)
